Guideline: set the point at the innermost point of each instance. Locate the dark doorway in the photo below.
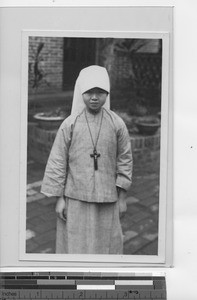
(78, 54)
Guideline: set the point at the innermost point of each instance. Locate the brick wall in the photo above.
(146, 153)
(39, 143)
(50, 63)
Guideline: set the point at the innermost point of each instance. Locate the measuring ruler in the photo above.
(53, 285)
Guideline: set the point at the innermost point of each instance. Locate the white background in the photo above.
(181, 280)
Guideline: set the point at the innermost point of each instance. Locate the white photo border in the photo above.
(165, 239)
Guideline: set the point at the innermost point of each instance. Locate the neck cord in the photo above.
(94, 144)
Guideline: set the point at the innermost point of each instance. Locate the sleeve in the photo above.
(124, 158)
(56, 169)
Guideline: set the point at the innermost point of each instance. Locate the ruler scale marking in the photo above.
(79, 285)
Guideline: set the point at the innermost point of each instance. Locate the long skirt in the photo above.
(90, 228)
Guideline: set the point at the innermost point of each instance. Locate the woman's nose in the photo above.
(94, 96)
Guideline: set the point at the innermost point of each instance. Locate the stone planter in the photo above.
(48, 123)
(147, 125)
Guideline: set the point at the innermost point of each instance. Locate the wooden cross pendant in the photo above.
(95, 156)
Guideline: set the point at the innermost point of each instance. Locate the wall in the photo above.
(49, 62)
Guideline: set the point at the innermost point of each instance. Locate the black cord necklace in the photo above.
(95, 154)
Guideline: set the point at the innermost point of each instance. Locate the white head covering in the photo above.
(90, 77)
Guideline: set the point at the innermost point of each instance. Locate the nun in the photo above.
(89, 170)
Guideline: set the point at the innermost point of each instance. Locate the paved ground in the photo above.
(140, 224)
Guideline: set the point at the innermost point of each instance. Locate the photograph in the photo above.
(98, 149)
(94, 115)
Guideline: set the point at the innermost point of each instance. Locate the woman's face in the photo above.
(94, 99)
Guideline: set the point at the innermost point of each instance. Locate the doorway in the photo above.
(78, 53)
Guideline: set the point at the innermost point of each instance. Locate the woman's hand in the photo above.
(122, 202)
(60, 208)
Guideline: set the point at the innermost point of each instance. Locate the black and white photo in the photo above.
(133, 64)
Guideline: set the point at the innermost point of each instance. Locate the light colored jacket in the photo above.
(70, 168)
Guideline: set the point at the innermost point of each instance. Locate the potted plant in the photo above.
(50, 120)
(147, 125)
